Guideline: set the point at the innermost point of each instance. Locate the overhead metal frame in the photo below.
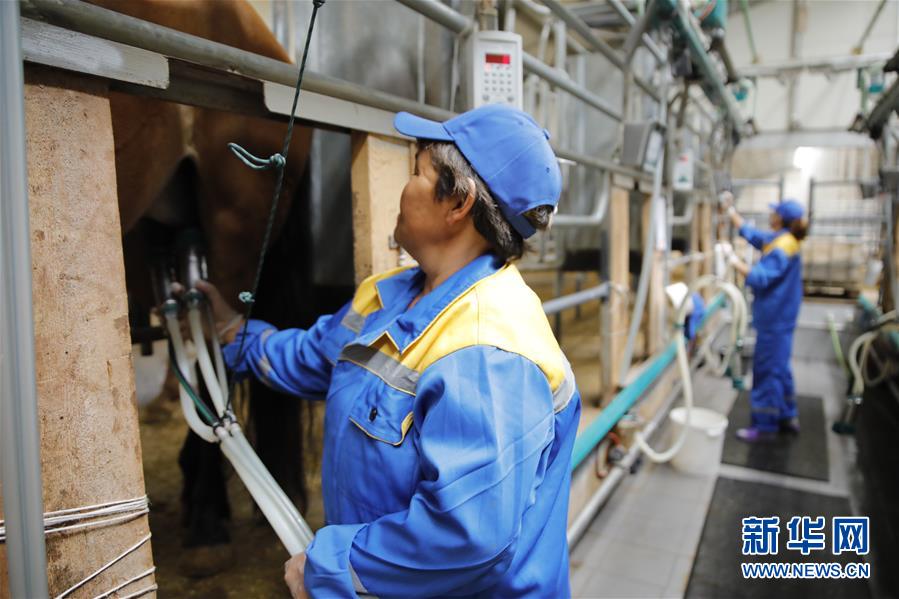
(713, 87)
(576, 23)
(660, 55)
(747, 23)
(833, 64)
(200, 70)
(857, 49)
(875, 121)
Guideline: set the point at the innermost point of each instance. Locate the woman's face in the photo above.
(775, 221)
(422, 218)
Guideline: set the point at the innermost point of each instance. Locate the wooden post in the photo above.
(380, 170)
(890, 302)
(615, 311)
(653, 325)
(706, 242)
(692, 270)
(90, 446)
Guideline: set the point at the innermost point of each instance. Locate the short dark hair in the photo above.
(453, 172)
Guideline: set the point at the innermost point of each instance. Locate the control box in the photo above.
(495, 70)
(642, 144)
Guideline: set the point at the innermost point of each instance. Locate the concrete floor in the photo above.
(644, 540)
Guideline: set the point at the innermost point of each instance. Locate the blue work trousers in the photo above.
(773, 396)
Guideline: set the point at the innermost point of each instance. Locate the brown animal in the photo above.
(174, 168)
(155, 140)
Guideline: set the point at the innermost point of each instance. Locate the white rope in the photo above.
(105, 567)
(71, 519)
(141, 592)
(99, 523)
(143, 574)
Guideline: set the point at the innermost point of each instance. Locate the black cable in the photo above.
(195, 397)
(281, 164)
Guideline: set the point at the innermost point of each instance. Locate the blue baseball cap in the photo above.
(507, 149)
(788, 209)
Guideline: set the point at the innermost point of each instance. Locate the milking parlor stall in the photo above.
(150, 146)
(127, 131)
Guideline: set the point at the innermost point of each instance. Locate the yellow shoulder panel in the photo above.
(366, 299)
(501, 311)
(512, 319)
(786, 243)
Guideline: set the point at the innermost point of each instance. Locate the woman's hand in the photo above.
(227, 319)
(727, 203)
(293, 576)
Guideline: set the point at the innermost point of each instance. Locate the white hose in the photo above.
(684, 367)
(196, 424)
(276, 490)
(859, 352)
(285, 525)
(217, 354)
(298, 527)
(282, 515)
(738, 327)
(206, 368)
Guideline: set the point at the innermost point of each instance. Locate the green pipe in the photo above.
(714, 88)
(875, 313)
(590, 437)
(835, 340)
(744, 7)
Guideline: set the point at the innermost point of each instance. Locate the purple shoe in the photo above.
(790, 426)
(750, 434)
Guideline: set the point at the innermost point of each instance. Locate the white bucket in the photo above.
(701, 452)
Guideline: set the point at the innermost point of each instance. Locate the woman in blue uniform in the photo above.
(451, 412)
(776, 283)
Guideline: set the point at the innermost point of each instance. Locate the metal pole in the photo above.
(861, 42)
(107, 24)
(881, 112)
(811, 203)
(596, 217)
(714, 88)
(648, 251)
(660, 55)
(461, 25)
(797, 26)
(546, 72)
(441, 13)
(20, 447)
(829, 64)
(744, 8)
(601, 164)
(578, 24)
(564, 302)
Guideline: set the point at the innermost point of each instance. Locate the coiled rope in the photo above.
(98, 516)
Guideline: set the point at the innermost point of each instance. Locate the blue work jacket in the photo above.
(775, 280)
(448, 435)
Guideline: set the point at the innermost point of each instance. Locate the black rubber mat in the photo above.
(803, 455)
(716, 569)
(878, 462)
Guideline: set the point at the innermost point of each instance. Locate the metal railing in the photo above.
(573, 300)
(106, 24)
(576, 23)
(20, 456)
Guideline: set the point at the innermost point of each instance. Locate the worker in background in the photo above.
(451, 412)
(776, 283)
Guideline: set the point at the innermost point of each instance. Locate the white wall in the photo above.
(833, 27)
